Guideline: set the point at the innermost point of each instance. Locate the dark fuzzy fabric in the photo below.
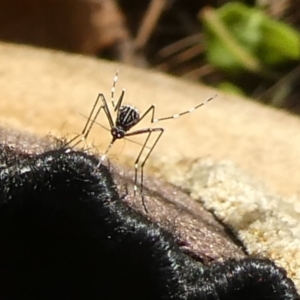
(66, 234)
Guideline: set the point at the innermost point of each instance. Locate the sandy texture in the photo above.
(267, 224)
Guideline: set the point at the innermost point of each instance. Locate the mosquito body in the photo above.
(128, 117)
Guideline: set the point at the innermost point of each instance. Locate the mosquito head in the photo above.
(127, 117)
(117, 133)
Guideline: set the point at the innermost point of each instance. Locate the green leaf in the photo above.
(231, 88)
(239, 37)
(280, 43)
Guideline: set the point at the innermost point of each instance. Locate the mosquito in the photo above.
(127, 117)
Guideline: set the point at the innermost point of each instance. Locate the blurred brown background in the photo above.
(166, 35)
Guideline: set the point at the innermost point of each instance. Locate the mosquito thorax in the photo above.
(127, 117)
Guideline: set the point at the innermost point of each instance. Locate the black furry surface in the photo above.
(66, 234)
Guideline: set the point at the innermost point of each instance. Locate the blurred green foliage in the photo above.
(239, 37)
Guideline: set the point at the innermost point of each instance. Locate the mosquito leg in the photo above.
(151, 110)
(105, 153)
(89, 120)
(113, 88)
(107, 111)
(149, 131)
(184, 112)
(120, 100)
(88, 125)
(161, 131)
(88, 129)
(136, 163)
